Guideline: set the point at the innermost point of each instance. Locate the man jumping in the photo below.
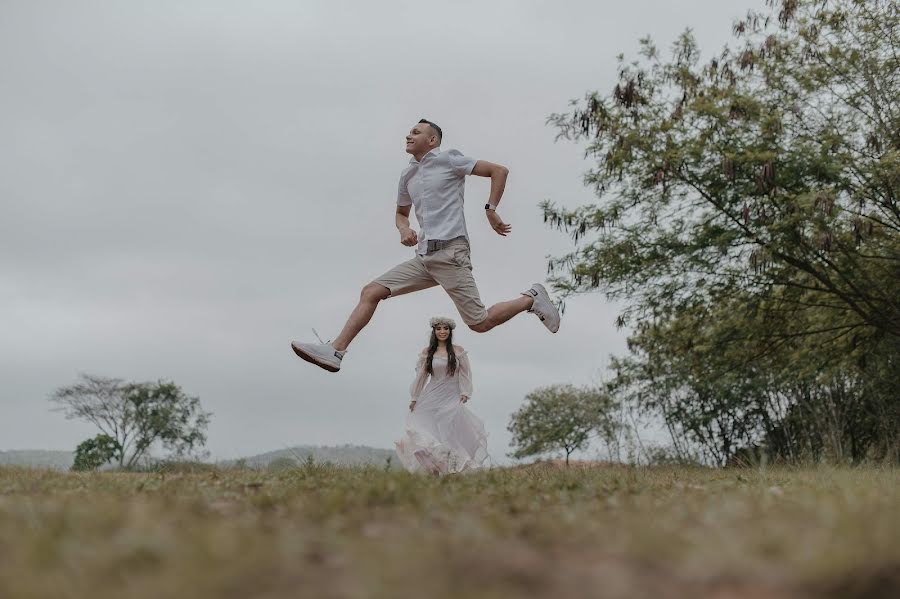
(434, 182)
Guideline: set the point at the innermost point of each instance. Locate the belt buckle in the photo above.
(434, 245)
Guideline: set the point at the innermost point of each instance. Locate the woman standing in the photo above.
(442, 436)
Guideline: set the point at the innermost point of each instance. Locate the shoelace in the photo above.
(339, 354)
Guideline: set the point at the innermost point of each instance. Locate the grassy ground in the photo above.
(318, 531)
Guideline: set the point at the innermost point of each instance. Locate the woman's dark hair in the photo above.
(451, 355)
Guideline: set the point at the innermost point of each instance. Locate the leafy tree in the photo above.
(560, 418)
(95, 452)
(748, 218)
(775, 166)
(136, 415)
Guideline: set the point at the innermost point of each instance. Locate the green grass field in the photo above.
(539, 531)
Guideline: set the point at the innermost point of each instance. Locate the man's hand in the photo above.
(497, 223)
(412, 405)
(408, 237)
(464, 398)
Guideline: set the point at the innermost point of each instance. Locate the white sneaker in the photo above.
(322, 355)
(543, 307)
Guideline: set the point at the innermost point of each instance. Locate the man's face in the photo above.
(421, 139)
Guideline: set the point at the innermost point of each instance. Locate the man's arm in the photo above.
(408, 237)
(498, 174)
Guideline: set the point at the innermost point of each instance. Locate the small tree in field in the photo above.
(134, 416)
(95, 452)
(560, 418)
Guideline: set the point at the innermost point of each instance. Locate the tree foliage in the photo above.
(749, 219)
(95, 452)
(136, 415)
(560, 418)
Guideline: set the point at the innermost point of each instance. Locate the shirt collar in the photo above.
(434, 151)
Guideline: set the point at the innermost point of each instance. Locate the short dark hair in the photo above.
(436, 129)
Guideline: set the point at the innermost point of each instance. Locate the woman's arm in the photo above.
(465, 376)
(415, 389)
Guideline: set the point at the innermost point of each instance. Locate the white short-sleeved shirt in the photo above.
(435, 188)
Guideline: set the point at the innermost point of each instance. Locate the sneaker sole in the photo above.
(309, 358)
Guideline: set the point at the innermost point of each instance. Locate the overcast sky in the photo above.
(187, 186)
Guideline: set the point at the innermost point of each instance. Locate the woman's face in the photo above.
(441, 331)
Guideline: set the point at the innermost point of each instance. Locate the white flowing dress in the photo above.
(442, 435)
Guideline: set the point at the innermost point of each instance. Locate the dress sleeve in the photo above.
(465, 375)
(421, 378)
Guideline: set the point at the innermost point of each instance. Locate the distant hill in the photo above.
(343, 455)
(37, 458)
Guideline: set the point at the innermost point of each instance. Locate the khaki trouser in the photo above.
(449, 267)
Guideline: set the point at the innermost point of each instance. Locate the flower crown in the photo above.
(436, 320)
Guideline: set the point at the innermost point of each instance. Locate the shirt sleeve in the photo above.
(403, 197)
(460, 163)
(465, 374)
(415, 390)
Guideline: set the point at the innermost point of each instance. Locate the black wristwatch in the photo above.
(490, 207)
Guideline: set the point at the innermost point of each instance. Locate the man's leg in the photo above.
(535, 300)
(452, 268)
(368, 300)
(403, 278)
(501, 312)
